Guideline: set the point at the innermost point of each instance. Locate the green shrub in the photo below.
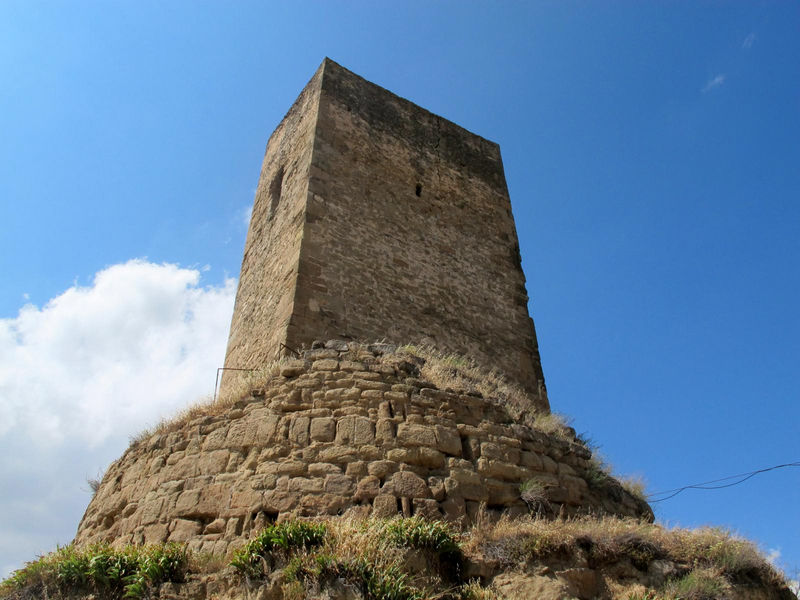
(375, 583)
(434, 536)
(387, 583)
(700, 584)
(129, 572)
(284, 538)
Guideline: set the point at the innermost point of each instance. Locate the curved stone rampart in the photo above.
(342, 428)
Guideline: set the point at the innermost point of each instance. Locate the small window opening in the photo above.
(275, 189)
(418, 190)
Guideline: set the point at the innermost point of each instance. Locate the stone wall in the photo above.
(267, 284)
(407, 235)
(345, 427)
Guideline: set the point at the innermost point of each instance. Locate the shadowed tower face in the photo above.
(375, 219)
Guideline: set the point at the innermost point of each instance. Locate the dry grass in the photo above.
(459, 373)
(609, 539)
(241, 387)
(398, 558)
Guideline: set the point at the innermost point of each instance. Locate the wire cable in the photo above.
(708, 485)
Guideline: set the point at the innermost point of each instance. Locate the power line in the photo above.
(708, 485)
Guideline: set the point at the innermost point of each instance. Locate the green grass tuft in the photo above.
(111, 573)
(283, 538)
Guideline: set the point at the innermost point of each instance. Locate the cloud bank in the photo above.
(81, 374)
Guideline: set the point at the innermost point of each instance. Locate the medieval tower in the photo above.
(376, 219)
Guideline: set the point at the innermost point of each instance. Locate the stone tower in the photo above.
(375, 219)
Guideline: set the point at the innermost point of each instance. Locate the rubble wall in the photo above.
(342, 428)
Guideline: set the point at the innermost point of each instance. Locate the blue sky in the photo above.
(651, 151)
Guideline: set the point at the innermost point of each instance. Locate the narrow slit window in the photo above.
(275, 189)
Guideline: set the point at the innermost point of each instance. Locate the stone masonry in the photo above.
(376, 219)
(345, 427)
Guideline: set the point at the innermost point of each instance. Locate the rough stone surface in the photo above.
(275, 455)
(365, 201)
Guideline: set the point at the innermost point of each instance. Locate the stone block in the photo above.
(151, 511)
(448, 440)
(384, 431)
(337, 454)
(323, 429)
(298, 430)
(548, 464)
(354, 431)
(454, 509)
(427, 509)
(339, 484)
(531, 460)
(293, 368)
(500, 470)
(292, 468)
(501, 492)
(356, 469)
(325, 364)
(322, 469)
(382, 468)
(184, 530)
(216, 526)
(155, 534)
(407, 484)
(436, 485)
(384, 506)
(368, 488)
(466, 484)
(423, 457)
(305, 485)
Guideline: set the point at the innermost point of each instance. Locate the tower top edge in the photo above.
(329, 71)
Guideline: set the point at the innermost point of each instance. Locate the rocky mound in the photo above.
(346, 427)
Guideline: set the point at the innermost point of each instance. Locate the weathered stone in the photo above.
(298, 430)
(323, 429)
(367, 488)
(416, 435)
(184, 530)
(436, 485)
(339, 484)
(354, 431)
(409, 485)
(216, 526)
(356, 469)
(305, 485)
(466, 484)
(384, 506)
(293, 368)
(322, 469)
(424, 457)
(384, 430)
(454, 509)
(427, 509)
(448, 440)
(500, 470)
(381, 468)
(501, 493)
(325, 364)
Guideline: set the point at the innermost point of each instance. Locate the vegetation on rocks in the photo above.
(130, 572)
(414, 559)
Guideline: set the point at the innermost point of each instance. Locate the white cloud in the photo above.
(748, 41)
(714, 82)
(81, 374)
(773, 555)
